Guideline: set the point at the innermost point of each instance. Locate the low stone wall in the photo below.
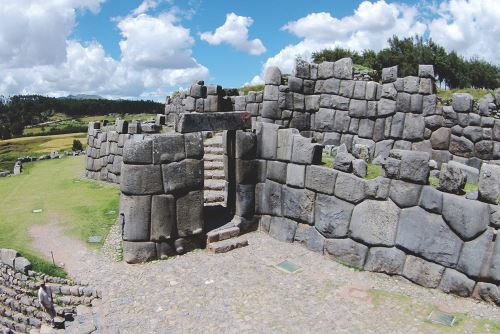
(161, 205)
(396, 224)
(19, 306)
(105, 144)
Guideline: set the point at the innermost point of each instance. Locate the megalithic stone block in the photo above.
(141, 179)
(136, 211)
(182, 176)
(168, 148)
(190, 213)
(245, 200)
(163, 218)
(138, 252)
(193, 145)
(195, 122)
(137, 151)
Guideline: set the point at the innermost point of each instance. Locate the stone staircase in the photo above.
(214, 170)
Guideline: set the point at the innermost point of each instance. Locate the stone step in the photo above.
(214, 185)
(214, 165)
(213, 157)
(223, 233)
(212, 196)
(214, 150)
(225, 246)
(216, 174)
(214, 142)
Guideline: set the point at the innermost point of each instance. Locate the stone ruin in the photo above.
(396, 223)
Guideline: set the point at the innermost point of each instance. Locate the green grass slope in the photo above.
(83, 207)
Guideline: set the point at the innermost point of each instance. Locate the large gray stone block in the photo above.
(282, 229)
(271, 92)
(456, 283)
(310, 237)
(246, 171)
(304, 151)
(414, 166)
(168, 148)
(320, 179)
(494, 268)
(245, 200)
(272, 76)
(427, 235)
(462, 102)
(138, 252)
(358, 108)
(141, 179)
(489, 183)
(452, 179)
(189, 210)
(271, 198)
(22, 264)
(342, 120)
(138, 151)
(411, 84)
(378, 188)
(343, 69)
(324, 119)
(414, 127)
(474, 254)
(397, 125)
(332, 216)
(375, 222)
(404, 194)
(213, 121)
(431, 199)
(461, 146)
(468, 218)
(183, 175)
(267, 140)
(270, 109)
(488, 292)
(295, 175)
(347, 251)
(389, 74)
(422, 272)
(298, 204)
(193, 145)
(136, 211)
(8, 256)
(350, 188)
(276, 171)
(163, 218)
(285, 143)
(440, 139)
(325, 70)
(385, 260)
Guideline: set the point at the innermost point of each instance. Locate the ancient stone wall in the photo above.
(161, 205)
(19, 306)
(105, 144)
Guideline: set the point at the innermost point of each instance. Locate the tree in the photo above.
(77, 145)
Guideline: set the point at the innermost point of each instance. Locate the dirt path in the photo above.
(68, 250)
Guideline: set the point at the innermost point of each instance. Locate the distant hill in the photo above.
(83, 97)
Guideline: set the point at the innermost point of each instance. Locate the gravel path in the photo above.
(242, 292)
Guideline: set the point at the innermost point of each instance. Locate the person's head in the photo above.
(41, 284)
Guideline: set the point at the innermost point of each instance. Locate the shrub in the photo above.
(77, 145)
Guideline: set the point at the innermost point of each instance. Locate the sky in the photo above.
(147, 49)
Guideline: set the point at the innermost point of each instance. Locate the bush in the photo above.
(77, 145)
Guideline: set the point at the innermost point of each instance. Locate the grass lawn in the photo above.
(12, 149)
(477, 93)
(84, 207)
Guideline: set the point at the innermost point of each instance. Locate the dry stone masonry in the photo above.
(396, 223)
(19, 307)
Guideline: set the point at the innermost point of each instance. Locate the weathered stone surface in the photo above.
(343, 69)
(414, 127)
(366, 128)
(267, 137)
(422, 272)
(397, 125)
(456, 283)
(304, 151)
(136, 211)
(168, 148)
(216, 121)
(378, 188)
(276, 171)
(272, 76)
(462, 102)
(310, 237)
(404, 194)
(282, 229)
(466, 217)
(246, 171)
(350, 188)
(183, 175)
(246, 145)
(411, 84)
(285, 142)
(8, 255)
(270, 201)
(332, 216)
(347, 88)
(461, 146)
(371, 90)
(359, 167)
(189, 210)
(141, 179)
(358, 108)
(389, 74)
(343, 159)
(385, 260)
(193, 145)
(375, 222)
(163, 218)
(361, 151)
(346, 251)
(138, 252)
(440, 139)
(137, 151)
(320, 179)
(471, 172)
(298, 204)
(473, 133)
(22, 264)
(431, 199)
(324, 119)
(484, 149)
(426, 71)
(494, 267)
(488, 292)
(495, 215)
(451, 179)
(414, 165)
(325, 70)
(489, 183)
(474, 254)
(270, 109)
(245, 200)
(311, 102)
(427, 235)
(295, 175)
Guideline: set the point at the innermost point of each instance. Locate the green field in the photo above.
(477, 93)
(84, 207)
(12, 149)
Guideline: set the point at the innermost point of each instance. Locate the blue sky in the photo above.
(147, 49)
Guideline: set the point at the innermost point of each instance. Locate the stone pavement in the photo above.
(242, 292)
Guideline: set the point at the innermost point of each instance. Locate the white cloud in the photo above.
(471, 28)
(235, 33)
(155, 53)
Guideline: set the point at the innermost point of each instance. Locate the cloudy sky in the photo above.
(147, 49)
